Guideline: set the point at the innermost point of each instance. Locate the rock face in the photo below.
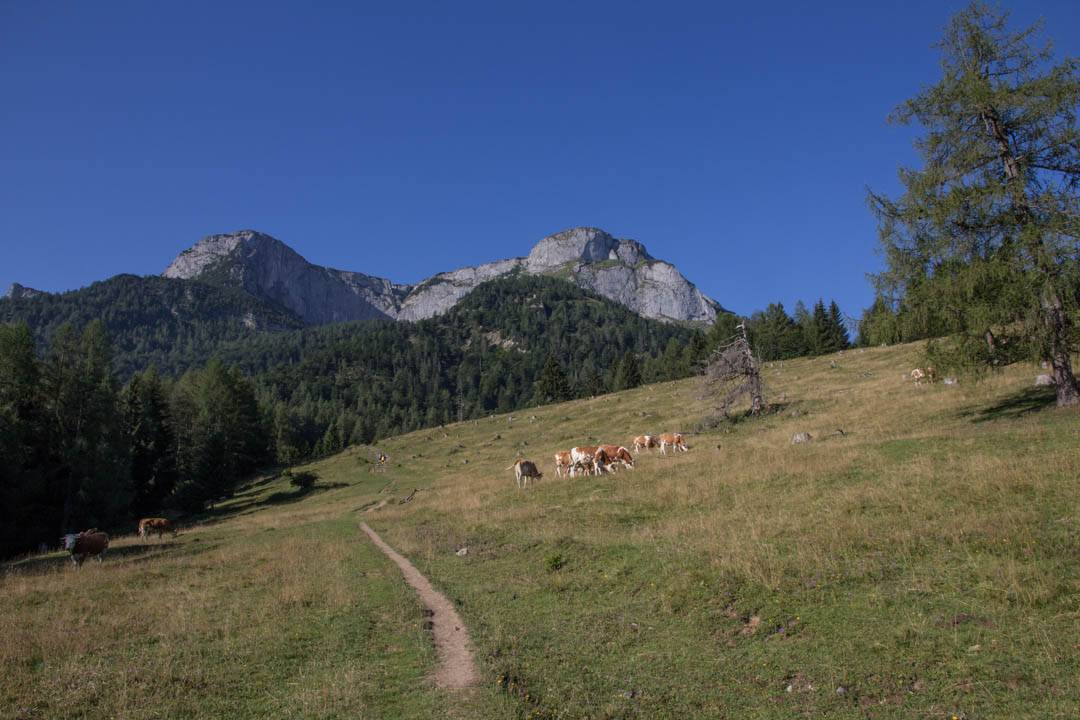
(270, 269)
(18, 292)
(621, 270)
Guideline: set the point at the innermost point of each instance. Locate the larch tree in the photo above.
(985, 234)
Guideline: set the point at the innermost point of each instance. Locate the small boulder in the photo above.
(801, 437)
(950, 381)
(1043, 380)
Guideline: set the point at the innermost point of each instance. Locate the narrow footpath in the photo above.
(456, 666)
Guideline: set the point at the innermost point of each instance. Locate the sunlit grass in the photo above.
(916, 559)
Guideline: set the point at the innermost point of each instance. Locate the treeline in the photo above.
(169, 323)
(776, 335)
(82, 450)
(332, 386)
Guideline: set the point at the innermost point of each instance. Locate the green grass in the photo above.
(923, 563)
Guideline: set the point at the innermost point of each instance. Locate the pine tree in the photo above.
(552, 384)
(837, 331)
(774, 334)
(151, 441)
(984, 237)
(628, 374)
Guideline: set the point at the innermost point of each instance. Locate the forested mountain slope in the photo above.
(173, 324)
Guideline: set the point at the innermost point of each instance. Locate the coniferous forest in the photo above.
(142, 396)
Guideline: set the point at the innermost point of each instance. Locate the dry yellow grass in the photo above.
(923, 562)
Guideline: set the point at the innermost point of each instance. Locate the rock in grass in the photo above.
(1044, 380)
(801, 437)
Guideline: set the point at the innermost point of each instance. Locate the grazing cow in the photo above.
(617, 454)
(585, 466)
(563, 463)
(523, 470)
(593, 455)
(921, 375)
(644, 442)
(89, 542)
(155, 525)
(675, 440)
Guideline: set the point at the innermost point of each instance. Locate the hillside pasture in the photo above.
(917, 558)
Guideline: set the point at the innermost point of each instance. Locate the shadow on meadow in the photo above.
(250, 505)
(1025, 402)
(51, 562)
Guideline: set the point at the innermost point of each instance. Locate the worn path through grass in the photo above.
(920, 563)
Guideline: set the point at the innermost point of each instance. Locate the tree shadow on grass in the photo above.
(282, 497)
(1025, 402)
(39, 564)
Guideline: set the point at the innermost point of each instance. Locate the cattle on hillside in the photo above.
(563, 463)
(523, 471)
(644, 442)
(87, 543)
(672, 440)
(587, 455)
(618, 455)
(155, 525)
(921, 375)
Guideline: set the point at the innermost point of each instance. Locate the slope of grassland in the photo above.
(922, 563)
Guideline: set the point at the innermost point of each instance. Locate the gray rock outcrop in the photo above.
(621, 270)
(16, 291)
(270, 269)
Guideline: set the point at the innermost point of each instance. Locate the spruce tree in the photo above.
(552, 385)
(628, 374)
(985, 235)
(837, 331)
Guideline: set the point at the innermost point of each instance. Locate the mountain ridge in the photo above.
(618, 269)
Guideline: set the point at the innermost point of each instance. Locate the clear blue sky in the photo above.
(403, 139)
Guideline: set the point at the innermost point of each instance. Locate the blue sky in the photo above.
(403, 139)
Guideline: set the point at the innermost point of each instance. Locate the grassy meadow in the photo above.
(920, 558)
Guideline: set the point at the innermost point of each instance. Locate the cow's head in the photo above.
(69, 540)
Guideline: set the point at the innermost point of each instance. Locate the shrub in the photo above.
(302, 479)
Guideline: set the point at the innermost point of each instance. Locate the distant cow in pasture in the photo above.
(618, 455)
(590, 454)
(644, 442)
(563, 463)
(674, 440)
(155, 525)
(921, 375)
(523, 470)
(87, 543)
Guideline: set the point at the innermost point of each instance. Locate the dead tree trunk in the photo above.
(733, 372)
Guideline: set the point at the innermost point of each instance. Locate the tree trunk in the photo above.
(1068, 392)
(1053, 313)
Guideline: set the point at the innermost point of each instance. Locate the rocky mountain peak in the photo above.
(213, 250)
(582, 245)
(17, 292)
(621, 270)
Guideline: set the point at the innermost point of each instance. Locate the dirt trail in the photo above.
(456, 667)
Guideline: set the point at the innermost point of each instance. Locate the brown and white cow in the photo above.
(675, 440)
(563, 463)
(155, 525)
(590, 454)
(523, 470)
(644, 442)
(921, 375)
(87, 543)
(618, 455)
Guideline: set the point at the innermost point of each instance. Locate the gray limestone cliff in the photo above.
(621, 270)
(270, 269)
(17, 292)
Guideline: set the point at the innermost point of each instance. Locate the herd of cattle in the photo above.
(95, 543)
(597, 459)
